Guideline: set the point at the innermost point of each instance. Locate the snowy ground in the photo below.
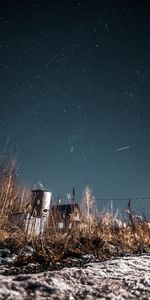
(122, 278)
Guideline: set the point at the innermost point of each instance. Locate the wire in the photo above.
(122, 199)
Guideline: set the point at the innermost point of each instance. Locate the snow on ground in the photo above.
(122, 278)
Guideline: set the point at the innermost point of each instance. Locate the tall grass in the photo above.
(97, 234)
(13, 198)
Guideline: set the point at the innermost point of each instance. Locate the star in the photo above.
(72, 149)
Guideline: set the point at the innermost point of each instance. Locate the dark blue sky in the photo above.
(75, 87)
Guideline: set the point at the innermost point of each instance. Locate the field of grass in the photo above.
(98, 235)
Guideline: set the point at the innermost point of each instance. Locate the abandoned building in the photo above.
(66, 216)
(39, 214)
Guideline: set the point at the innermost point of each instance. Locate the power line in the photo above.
(122, 199)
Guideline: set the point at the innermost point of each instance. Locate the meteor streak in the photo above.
(123, 148)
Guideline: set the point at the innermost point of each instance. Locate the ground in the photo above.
(120, 278)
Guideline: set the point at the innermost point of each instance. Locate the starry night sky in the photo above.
(74, 88)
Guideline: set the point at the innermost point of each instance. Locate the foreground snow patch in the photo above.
(122, 278)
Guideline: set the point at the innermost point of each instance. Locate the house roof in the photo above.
(65, 208)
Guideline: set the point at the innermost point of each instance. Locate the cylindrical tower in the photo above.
(41, 201)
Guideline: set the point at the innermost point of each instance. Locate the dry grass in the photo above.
(97, 235)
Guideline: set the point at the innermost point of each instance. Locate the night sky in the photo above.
(75, 95)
